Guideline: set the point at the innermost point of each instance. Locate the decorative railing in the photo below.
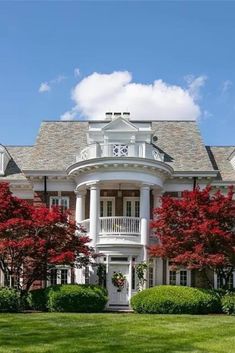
(119, 225)
(141, 150)
(115, 225)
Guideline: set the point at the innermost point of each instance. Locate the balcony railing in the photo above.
(116, 225)
(119, 225)
(141, 150)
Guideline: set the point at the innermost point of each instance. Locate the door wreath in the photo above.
(118, 280)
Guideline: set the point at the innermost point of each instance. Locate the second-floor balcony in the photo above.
(140, 150)
(115, 225)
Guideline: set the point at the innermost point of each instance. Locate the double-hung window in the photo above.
(64, 276)
(53, 277)
(219, 281)
(179, 278)
(59, 276)
(60, 201)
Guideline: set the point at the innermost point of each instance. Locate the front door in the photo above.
(116, 297)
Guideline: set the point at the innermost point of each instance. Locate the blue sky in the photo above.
(180, 43)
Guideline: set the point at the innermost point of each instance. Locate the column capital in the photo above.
(145, 186)
(80, 193)
(157, 192)
(93, 185)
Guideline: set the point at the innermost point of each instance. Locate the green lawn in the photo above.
(122, 333)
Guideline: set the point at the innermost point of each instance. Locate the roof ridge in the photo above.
(221, 146)
(105, 121)
(19, 145)
(66, 121)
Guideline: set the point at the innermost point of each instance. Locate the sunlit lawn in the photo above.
(46, 332)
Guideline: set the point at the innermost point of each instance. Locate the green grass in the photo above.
(124, 333)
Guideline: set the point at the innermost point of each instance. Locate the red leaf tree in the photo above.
(34, 240)
(197, 232)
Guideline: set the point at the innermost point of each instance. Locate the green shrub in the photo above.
(228, 304)
(10, 300)
(77, 298)
(39, 299)
(176, 300)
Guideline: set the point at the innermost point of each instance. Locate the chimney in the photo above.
(117, 114)
(126, 115)
(108, 115)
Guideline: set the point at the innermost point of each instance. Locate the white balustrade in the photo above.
(117, 150)
(115, 225)
(119, 225)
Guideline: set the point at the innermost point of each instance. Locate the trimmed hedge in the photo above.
(10, 300)
(39, 298)
(176, 300)
(70, 298)
(228, 304)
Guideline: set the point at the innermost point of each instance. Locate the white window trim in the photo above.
(108, 198)
(178, 276)
(216, 277)
(153, 265)
(59, 269)
(132, 199)
(60, 199)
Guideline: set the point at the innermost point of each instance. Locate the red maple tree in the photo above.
(34, 240)
(197, 231)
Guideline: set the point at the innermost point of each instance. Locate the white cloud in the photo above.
(58, 79)
(44, 87)
(77, 72)
(47, 86)
(206, 115)
(194, 85)
(70, 115)
(98, 93)
(226, 85)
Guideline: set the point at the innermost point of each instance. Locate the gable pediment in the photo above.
(120, 124)
(4, 159)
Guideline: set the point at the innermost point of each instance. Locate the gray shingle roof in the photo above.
(182, 144)
(20, 159)
(221, 155)
(60, 142)
(57, 145)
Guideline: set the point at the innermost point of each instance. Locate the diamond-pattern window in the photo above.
(120, 150)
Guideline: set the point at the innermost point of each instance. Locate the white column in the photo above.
(132, 148)
(130, 279)
(157, 198)
(94, 213)
(80, 206)
(106, 147)
(144, 217)
(158, 262)
(159, 271)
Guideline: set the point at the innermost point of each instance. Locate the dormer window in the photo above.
(118, 136)
(4, 159)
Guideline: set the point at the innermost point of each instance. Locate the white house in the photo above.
(111, 174)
